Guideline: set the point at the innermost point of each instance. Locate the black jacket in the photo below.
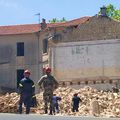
(76, 100)
(26, 86)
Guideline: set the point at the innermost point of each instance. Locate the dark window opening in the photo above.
(102, 81)
(20, 49)
(86, 82)
(110, 81)
(94, 82)
(19, 76)
(71, 83)
(78, 83)
(45, 45)
(63, 84)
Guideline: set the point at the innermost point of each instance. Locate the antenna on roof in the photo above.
(38, 14)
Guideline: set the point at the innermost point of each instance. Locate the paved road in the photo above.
(47, 117)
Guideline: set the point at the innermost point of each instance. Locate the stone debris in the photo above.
(94, 102)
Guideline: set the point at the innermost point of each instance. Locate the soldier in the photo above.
(49, 84)
(26, 90)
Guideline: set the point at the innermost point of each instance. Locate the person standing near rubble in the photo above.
(75, 102)
(55, 101)
(27, 91)
(48, 83)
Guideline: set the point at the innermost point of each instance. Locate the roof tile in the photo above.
(31, 28)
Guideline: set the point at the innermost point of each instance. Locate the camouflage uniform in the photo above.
(49, 84)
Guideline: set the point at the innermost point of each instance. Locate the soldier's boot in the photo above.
(54, 111)
(46, 107)
(50, 112)
(51, 108)
(46, 111)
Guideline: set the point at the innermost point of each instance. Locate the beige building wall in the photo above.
(86, 59)
(10, 62)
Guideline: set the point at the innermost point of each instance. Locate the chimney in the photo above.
(43, 24)
(103, 11)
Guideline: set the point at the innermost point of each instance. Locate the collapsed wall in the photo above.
(109, 102)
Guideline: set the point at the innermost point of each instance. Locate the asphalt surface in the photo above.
(4, 116)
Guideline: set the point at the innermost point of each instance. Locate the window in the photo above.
(20, 49)
(102, 81)
(63, 84)
(71, 83)
(94, 82)
(86, 82)
(110, 81)
(78, 83)
(19, 75)
(45, 45)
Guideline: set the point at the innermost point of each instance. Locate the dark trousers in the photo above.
(75, 108)
(55, 107)
(48, 100)
(26, 99)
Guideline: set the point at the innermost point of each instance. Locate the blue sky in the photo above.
(14, 12)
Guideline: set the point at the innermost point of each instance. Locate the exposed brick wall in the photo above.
(97, 28)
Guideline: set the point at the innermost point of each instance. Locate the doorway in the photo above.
(20, 75)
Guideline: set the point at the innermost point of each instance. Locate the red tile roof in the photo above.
(75, 22)
(19, 29)
(31, 28)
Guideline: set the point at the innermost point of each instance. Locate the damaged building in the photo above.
(83, 51)
(87, 53)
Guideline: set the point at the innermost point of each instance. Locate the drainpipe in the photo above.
(38, 55)
(43, 26)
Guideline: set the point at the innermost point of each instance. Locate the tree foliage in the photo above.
(113, 12)
(54, 20)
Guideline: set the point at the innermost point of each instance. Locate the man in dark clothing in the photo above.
(48, 83)
(34, 102)
(75, 102)
(55, 103)
(26, 90)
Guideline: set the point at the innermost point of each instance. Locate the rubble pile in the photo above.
(8, 103)
(94, 102)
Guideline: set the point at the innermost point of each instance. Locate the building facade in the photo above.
(20, 49)
(23, 47)
(88, 53)
(83, 51)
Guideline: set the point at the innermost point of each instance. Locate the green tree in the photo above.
(54, 20)
(116, 15)
(110, 10)
(63, 20)
(113, 12)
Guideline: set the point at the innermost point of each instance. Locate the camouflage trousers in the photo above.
(48, 101)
